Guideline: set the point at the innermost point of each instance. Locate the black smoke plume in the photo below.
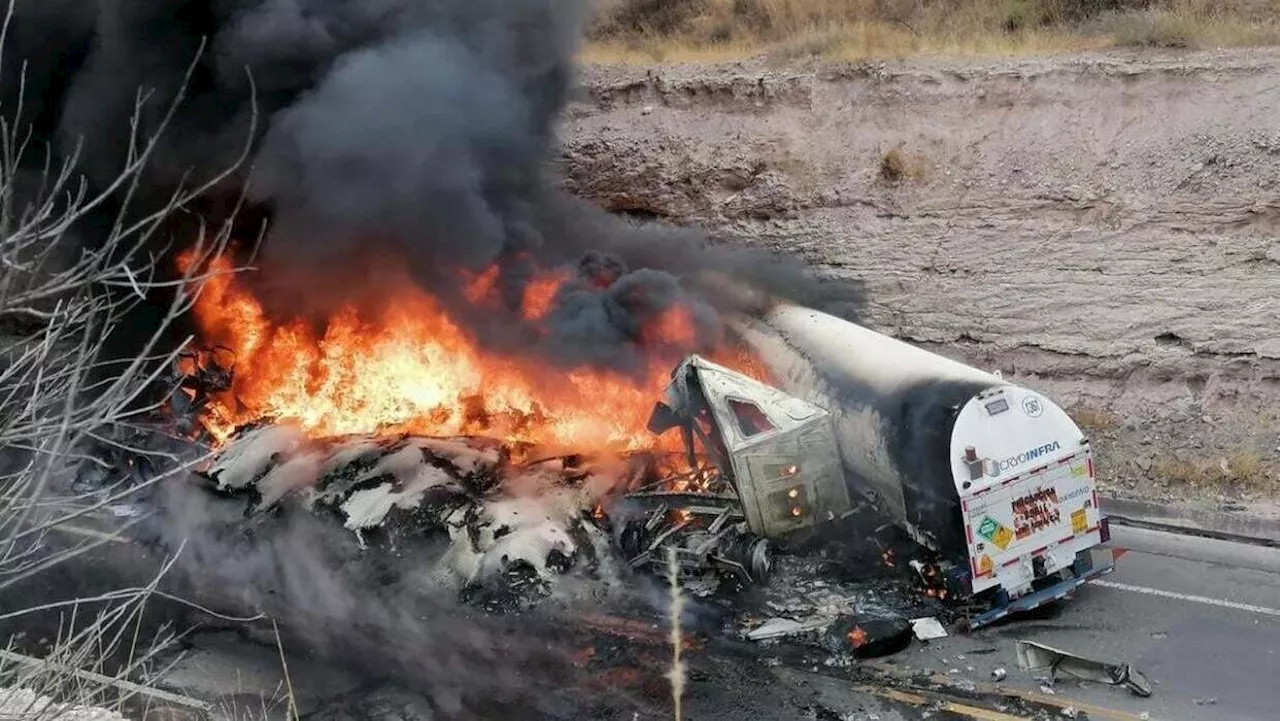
(409, 132)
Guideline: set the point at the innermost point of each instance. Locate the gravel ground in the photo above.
(1103, 227)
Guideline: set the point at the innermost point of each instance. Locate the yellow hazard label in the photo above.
(1079, 521)
(984, 564)
(1079, 469)
(1003, 537)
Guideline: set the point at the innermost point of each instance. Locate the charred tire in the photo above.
(760, 561)
(755, 556)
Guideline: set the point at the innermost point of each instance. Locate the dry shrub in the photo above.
(1152, 29)
(1241, 469)
(892, 166)
(897, 165)
(646, 16)
(1094, 419)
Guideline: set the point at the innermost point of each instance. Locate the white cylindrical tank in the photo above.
(895, 407)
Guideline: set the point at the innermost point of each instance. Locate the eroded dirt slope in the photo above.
(1104, 227)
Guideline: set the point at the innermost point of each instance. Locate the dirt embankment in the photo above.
(1103, 227)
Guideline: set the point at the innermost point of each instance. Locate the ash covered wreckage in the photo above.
(879, 483)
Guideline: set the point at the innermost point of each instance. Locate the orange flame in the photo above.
(539, 294)
(411, 368)
(857, 637)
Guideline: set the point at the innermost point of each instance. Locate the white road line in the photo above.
(1186, 597)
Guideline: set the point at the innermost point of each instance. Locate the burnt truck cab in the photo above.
(778, 452)
(761, 465)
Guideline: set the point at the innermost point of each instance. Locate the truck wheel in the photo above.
(760, 561)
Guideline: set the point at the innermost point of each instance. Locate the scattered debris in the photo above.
(999, 674)
(779, 627)
(28, 667)
(867, 636)
(1069, 711)
(1210, 701)
(16, 703)
(1035, 656)
(928, 629)
(195, 378)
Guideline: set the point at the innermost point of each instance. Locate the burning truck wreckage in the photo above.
(812, 480)
(582, 409)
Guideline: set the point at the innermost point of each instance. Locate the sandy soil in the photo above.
(1104, 227)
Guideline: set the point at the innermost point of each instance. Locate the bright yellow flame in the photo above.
(408, 366)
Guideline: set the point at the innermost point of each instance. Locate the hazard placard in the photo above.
(1003, 537)
(1079, 521)
(984, 564)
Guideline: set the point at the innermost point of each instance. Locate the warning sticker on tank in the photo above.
(987, 529)
(1079, 521)
(984, 564)
(996, 532)
(1003, 537)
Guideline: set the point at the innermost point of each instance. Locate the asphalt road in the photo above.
(1199, 618)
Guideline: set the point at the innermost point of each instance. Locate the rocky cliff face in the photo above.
(1105, 227)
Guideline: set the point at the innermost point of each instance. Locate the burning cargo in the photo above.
(993, 481)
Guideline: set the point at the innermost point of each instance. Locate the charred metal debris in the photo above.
(513, 525)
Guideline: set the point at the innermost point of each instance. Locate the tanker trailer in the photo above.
(993, 477)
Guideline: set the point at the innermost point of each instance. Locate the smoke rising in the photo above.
(388, 131)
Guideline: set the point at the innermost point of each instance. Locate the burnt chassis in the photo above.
(702, 531)
(746, 483)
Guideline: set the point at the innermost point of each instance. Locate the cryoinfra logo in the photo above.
(979, 467)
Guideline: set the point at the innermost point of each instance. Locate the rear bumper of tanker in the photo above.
(1090, 563)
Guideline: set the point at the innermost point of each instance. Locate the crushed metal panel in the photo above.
(782, 449)
(1034, 656)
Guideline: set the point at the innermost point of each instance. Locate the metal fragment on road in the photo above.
(928, 629)
(1035, 656)
(779, 627)
(999, 674)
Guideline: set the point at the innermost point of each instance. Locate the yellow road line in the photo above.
(1095, 712)
(915, 699)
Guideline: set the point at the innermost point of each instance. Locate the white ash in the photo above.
(23, 703)
(412, 478)
(497, 517)
(250, 456)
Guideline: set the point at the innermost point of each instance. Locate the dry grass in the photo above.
(1093, 419)
(645, 31)
(898, 166)
(1243, 469)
